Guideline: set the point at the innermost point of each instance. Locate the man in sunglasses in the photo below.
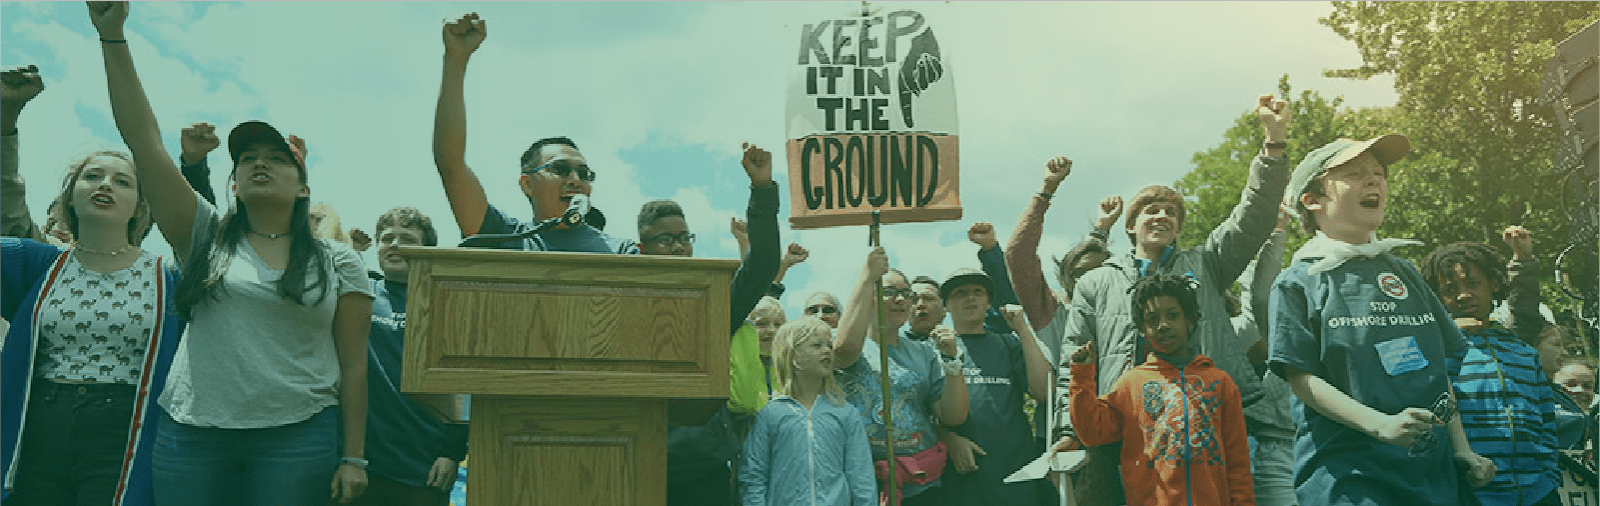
(552, 169)
(825, 306)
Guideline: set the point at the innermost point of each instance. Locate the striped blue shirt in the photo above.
(1508, 413)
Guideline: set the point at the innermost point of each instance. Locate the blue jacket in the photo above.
(27, 269)
(797, 456)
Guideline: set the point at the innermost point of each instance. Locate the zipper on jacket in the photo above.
(811, 451)
(1188, 481)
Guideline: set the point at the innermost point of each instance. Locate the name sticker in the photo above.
(1401, 355)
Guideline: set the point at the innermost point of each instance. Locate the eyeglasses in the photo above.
(821, 309)
(890, 293)
(665, 240)
(562, 169)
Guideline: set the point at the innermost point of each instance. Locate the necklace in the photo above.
(269, 236)
(110, 253)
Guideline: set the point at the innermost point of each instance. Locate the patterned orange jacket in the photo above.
(1183, 433)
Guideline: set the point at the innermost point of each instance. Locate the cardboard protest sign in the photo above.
(872, 123)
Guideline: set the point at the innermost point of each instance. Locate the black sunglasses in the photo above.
(563, 168)
(821, 309)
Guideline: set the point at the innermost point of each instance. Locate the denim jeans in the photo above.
(288, 465)
(73, 443)
(1272, 463)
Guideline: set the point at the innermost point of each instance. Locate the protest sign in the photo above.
(872, 123)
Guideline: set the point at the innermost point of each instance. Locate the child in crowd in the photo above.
(1365, 345)
(1507, 409)
(802, 451)
(1001, 369)
(1180, 419)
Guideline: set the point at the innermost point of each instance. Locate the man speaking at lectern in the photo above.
(553, 171)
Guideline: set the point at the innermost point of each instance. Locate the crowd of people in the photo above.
(261, 363)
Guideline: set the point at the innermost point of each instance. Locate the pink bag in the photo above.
(920, 468)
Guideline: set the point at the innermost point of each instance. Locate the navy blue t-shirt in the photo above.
(1375, 331)
(997, 383)
(403, 438)
(583, 239)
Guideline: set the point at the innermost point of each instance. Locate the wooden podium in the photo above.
(572, 360)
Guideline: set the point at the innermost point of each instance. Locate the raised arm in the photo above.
(1022, 249)
(197, 141)
(794, 255)
(17, 87)
(861, 311)
(1232, 244)
(1097, 420)
(755, 275)
(461, 186)
(172, 203)
(1040, 371)
(1522, 284)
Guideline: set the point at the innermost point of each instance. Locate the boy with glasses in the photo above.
(698, 457)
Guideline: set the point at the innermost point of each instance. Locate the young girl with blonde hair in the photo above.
(802, 451)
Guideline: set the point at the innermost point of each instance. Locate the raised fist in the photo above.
(197, 140)
(757, 164)
(19, 85)
(1274, 116)
(982, 234)
(462, 36)
(1058, 168)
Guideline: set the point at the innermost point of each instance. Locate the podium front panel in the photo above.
(566, 324)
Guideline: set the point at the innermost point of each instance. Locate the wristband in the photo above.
(1045, 195)
(1275, 144)
(1102, 235)
(113, 41)
(354, 461)
(952, 365)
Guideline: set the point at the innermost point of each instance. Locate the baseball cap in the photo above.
(259, 132)
(965, 276)
(1387, 149)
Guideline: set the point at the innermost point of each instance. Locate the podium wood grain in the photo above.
(572, 359)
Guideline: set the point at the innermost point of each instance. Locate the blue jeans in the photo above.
(286, 465)
(1272, 466)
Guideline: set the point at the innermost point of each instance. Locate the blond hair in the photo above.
(790, 335)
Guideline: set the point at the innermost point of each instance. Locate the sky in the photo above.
(660, 95)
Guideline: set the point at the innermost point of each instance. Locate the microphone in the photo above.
(576, 210)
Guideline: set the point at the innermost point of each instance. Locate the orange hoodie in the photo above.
(1155, 413)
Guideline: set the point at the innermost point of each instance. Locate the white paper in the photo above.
(1067, 461)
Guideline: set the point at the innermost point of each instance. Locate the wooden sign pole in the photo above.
(883, 377)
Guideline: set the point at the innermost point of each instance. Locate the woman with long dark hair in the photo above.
(278, 319)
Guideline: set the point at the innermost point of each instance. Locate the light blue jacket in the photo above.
(819, 456)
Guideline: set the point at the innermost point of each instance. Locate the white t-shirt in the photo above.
(251, 358)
